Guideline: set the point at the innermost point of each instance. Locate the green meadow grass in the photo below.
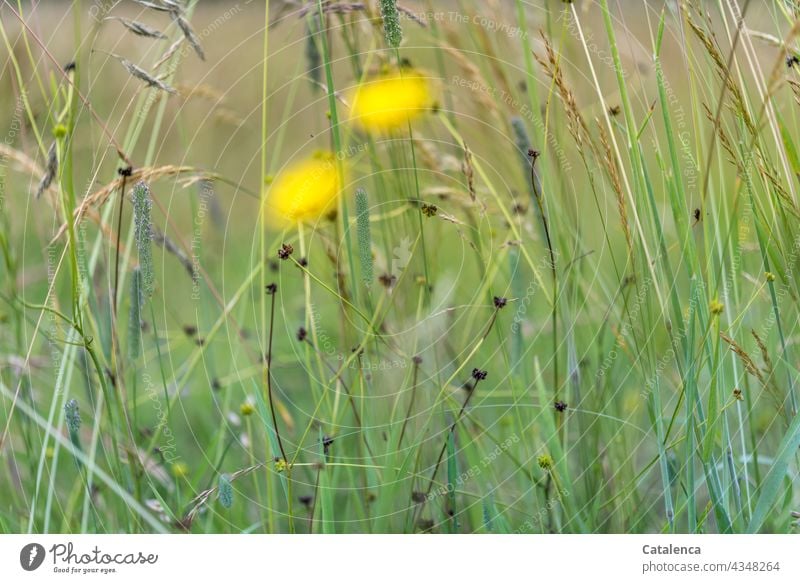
(562, 300)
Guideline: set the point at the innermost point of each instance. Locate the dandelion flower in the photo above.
(303, 191)
(389, 101)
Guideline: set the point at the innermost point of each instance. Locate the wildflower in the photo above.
(180, 470)
(389, 101)
(304, 191)
(716, 307)
(545, 462)
(247, 408)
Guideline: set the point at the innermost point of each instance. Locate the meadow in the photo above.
(498, 266)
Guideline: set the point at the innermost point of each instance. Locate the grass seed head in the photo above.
(392, 30)
(143, 234)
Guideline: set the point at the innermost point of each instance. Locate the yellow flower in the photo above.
(387, 102)
(303, 191)
(180, 470)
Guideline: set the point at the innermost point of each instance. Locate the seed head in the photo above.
(271, 288)
(545, 462)
(327, 441)
(500, 302)
(285, 251)
(387, 280)
(135, 315)
(143, 234)
(302, 333)
(73, 416)
(429, 210)
(478, 374)
(716, 307)
(225, 491)
(391, 23)
(560, 406)
(364, 237)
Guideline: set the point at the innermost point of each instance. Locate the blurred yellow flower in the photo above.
(304, 190)
(180, 470)
(388, 102)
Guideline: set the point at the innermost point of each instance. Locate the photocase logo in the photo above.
(31, 556)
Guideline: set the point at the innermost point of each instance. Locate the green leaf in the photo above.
(777, 472)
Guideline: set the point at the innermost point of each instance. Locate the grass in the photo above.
(562, 298)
